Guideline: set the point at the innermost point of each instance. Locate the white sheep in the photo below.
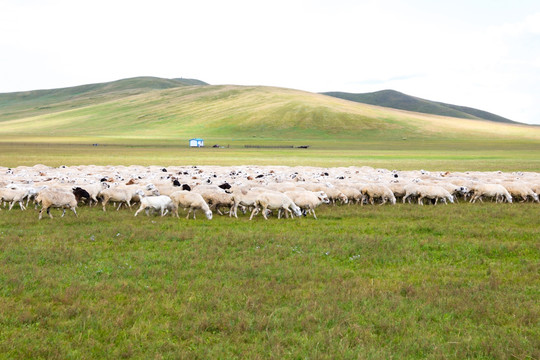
(398, 189)
(496, 191)
(57, 199)
(411, 190)
(13, 196)
(163, 203)
(520, 190)
(434, 192)
(274, 201)
(244, 197)
(123, 194)
(352, 194)
(216, 200)
(192, 201)
(332, 192)
(308, 200)
(376, 191)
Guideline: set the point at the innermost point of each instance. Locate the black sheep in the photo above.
(80, 193)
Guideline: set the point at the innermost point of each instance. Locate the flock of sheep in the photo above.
(293, 191)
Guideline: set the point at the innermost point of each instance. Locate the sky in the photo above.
(479, 53)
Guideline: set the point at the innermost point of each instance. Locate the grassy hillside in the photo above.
(396, 100)
(137, 113)
(29, 103)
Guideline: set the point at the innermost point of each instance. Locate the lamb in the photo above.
(57, 199)
(374, 191)
(496, 191)
(274, 201)
(163, 203)
(434, 192)
(192, 201)
(308, 200)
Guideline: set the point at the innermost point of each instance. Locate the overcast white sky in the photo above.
(479, 53)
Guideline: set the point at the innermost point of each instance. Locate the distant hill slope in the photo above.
(396, 100)
(133, 110)
(13, 105)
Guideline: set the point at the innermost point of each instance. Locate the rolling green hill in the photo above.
(28, 103)
(158, 110)
(396, 100)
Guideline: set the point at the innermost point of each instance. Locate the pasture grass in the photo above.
(375, 282)
(440, 155)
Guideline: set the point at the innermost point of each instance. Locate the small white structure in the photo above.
(196, 142)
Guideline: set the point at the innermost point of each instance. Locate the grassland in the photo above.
(408, 282)
(440, 155)
(458, 281)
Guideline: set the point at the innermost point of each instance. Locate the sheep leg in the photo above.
(253, 212)
(289, 211)
(63, 212)
(104, 203)
(140, 209)
(233, 211)
(49, 212)
(74, 211)
(421, 200)
(119, 206)
(194, 210)
(315, 216)
(264, 212)
(40, 213)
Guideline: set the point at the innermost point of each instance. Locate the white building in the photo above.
(196, 142)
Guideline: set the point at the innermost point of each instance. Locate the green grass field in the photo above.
(488, 155)
(378, 282)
